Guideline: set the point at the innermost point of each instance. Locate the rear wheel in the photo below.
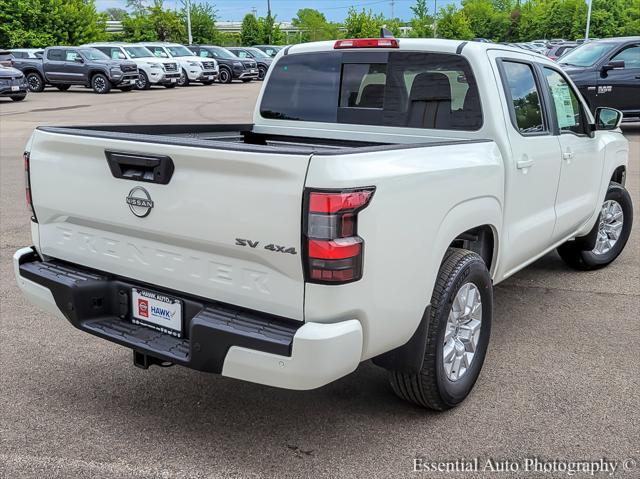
(100, 83)
(262, 72)
(142, 83)
(457, 335)
(35, 82)
(63, 87)
(611, 233)
(225, 76)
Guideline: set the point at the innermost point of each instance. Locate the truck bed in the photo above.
(239, 137)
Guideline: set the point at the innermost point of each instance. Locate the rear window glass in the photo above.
(407, 89)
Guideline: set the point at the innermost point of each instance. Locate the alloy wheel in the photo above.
(462, 331)
(609, 227)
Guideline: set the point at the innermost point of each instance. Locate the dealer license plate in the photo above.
(15, 88)
(210, 77)
(158, 311)
(173, 80)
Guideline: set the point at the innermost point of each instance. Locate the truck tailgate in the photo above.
(226, 227)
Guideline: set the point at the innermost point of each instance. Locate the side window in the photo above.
(71, 55)
(105, 50)
(204, 53)
(568, 109)
(19, 55)
(630, 56)
(242, 54)
(363, 85)
(525, 97)
(55, 55)
(116, 54)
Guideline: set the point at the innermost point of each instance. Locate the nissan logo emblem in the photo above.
(139, 202)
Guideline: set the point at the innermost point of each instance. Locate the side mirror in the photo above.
(608, 118)
(78, 60)
(613, 65)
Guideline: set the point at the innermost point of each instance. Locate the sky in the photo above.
(334, 10)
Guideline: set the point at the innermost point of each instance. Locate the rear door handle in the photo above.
(567, 155)
(524, 163)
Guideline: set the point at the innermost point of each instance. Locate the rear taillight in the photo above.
(333, 249)
(367, 43)
(27, 185)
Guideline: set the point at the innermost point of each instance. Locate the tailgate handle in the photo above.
(132, 166)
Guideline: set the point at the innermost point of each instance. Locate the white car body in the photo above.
(195, 68)
(158, 70)
(529, 192)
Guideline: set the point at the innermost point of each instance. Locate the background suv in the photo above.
(231, 67)
(192, 68)
(262, 59)
(151, 69)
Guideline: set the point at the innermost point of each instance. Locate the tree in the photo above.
(154, 23)
(454, 24)
(314, 25)
(250, 33)
(363, 24)
(115, 14)
(271, 33)
(41, 23)
(421, 22)
(485, 20)
(203, 23)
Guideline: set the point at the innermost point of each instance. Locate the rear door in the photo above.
(226, 226)
(534, 169)
(54, 65)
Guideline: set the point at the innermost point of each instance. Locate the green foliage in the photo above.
(363, 24)
(453, 23)
(250, 33)
(154, 23)
(40, 23)
(115, 14)
(421, 23)
(203, 23)
(314, 26)
(271, 34)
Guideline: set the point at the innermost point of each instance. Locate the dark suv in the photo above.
(231, 67)
(607, 73)
(249, 53)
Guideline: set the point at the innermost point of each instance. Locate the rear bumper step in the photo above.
(217, 338)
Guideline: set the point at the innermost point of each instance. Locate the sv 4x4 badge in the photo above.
(271, 247)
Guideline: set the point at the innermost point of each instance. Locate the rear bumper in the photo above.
(217, 338)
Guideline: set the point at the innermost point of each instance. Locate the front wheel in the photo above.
(142, 83)
(225, 76)
(457, 334)
(611, 233)
(184, 79)
(262, 72)
(35, 82)
(100, 83)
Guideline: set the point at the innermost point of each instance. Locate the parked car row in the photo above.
(104, 66)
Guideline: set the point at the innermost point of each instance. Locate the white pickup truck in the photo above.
(382, 190)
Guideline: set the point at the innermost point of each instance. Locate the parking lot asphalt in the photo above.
(560, 380)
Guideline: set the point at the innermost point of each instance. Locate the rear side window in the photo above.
(56, 55)
(19, 54)
(525, 98)
(406, 89)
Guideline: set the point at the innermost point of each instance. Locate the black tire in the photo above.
(35, 82)
(170, 85)
(579, 256)
(63, 87)
(19, 98)
(225, 75)
(184, 78)
(100, 83)
(431, 387)
(142, 83)
(262, 72)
